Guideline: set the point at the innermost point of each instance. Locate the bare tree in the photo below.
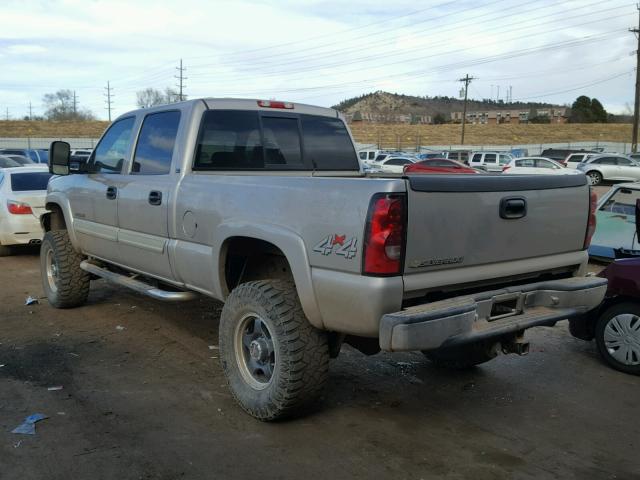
(149, 97)
(61, 106)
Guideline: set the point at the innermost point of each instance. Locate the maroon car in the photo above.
(615, 325)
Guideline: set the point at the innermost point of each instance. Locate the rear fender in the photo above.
(289, 242)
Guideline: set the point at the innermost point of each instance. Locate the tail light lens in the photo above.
(385, 235)
(591, 224)
(18, 208)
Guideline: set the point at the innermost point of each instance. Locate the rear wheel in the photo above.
(463, 356)
(595, 178)
(275, 361)
(618, 337)
(64, 283)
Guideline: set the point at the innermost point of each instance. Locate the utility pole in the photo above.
(498, 94)
(7, 117)
(75, 103)
(181, 78)
(636, 107)
(30, 112)
(466, 80)
(109, 96)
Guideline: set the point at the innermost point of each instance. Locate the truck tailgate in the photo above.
(465, 220)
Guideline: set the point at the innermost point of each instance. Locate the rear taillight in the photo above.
(591, 224)
(18, 208)
(275, 104)
(385, 235)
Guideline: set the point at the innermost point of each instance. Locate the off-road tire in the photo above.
(603, 320)
(463, 356)
(595, 178)
(5, 251)
(301, 351)
(72, 283)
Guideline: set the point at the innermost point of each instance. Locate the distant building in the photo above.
(371, 117)
(494, 117)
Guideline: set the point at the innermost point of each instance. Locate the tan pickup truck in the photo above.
(264, 205)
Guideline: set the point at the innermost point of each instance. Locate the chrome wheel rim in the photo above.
(51, 266)
(622, 338)
(594, 178)
(255, 351)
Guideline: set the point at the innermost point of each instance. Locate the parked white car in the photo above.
(394, 164)
(609, 166)
(22, 199)
(490, 161)
(536, 166)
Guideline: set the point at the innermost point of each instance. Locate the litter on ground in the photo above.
(30, 300)
(28, 427)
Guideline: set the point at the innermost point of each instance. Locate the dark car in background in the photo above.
(615, 325)
(559, 154)
(31, 153)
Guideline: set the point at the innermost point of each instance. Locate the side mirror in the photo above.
(638, 220)
(59, 157)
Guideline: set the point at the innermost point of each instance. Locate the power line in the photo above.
(466, 80)
(578, 87)
(108, 100)
(181, 78)
(636, 105)
(358, 68)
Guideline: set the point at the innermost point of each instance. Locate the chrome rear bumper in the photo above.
(491, 314)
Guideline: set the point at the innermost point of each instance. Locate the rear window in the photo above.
(23, 182)
(244, 140)
(327, 143)
(490, 158)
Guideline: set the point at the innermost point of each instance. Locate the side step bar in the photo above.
(137, 285)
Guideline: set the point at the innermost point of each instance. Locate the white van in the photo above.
(367, 157)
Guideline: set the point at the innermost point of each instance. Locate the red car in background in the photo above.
(438, 165)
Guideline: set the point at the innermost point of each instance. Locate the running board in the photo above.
(137, 285)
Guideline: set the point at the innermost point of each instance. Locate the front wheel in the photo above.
(595, 178)
(618, 337)
(275, 361)
(64, 283)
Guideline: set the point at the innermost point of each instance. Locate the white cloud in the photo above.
(315, 51)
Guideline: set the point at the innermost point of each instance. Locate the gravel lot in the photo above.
(144, 397)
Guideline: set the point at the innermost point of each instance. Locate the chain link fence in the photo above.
(529, 148)
(41, 142)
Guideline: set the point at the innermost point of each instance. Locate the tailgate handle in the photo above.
(513, 207)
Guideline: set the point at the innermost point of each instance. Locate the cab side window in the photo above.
(110, 154)
(155, 145)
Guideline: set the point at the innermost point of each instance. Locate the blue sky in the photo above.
(316, 52)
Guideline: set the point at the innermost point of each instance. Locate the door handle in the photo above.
(112, 193)
(155, 197)
(513, 207)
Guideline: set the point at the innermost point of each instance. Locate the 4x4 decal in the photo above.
(346, 247)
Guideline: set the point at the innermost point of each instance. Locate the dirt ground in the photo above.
(144, 397)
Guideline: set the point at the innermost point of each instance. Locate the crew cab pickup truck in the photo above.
(263, 205)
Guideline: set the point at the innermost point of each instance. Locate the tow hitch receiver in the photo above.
(516, 345)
